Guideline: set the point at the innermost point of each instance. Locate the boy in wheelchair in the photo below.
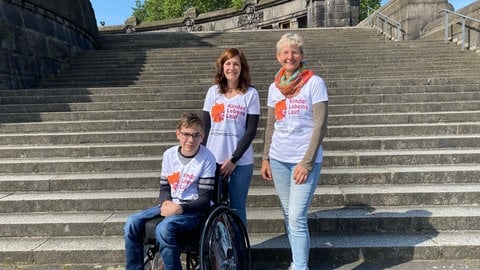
(186, 187)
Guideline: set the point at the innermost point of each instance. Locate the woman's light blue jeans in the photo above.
(166, 234)
(295, 201)
(238, 189)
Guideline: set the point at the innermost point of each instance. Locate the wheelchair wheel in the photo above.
(155, 264)
(224, 243)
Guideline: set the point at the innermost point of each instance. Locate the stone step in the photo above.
(355, 104)
(351, 46)
(266, 68)
(155, 130)
(340, 248)
(430, 93)
(195, 90)
(329, 76)
(339, 119)
(266, 79)
(358, 220)
(435, 92)
(334, 156)
(383, 247)
(139, 179)
(98, 159)
(53, 146)
(259, 196)
(345, 82)
(441, 54)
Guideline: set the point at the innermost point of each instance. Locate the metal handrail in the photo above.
(387, 22)
(464, 18)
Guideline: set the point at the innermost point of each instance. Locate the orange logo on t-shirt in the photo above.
(173, 179)
(218, 112)
(280, 109)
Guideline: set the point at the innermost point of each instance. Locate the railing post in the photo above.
(378, 24)
(385, 28)
(446, 26)
(463, 34)
(398, 32)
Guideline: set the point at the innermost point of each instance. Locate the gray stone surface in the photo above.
(38, 38)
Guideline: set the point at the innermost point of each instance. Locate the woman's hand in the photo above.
(300, 174)
(266, 171)
(227, 168)
(169, 208)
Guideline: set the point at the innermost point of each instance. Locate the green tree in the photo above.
(139, 10)
(155, 10)
(364, 4)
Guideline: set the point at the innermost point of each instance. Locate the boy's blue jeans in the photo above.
(295, 201)
(165, 233)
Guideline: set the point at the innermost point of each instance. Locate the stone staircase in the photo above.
(401, 172)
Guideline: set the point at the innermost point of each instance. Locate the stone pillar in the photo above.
(332, 13)
(418, 13)
(316, 13)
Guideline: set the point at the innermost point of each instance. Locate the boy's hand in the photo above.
(170, 208)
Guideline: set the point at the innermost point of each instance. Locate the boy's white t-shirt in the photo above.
(228, 122)
(294, 120)
(184, 179)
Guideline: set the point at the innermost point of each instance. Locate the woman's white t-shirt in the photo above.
(294, 120)
(228, 122)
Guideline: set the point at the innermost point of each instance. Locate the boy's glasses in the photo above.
(194, 136)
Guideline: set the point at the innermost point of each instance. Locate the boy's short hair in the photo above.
(190, 119)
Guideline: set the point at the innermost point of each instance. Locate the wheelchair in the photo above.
(220, 242)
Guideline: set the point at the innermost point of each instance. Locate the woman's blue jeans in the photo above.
(295, 201)
(165, 233)
(238, 186)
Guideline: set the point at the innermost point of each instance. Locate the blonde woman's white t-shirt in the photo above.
(228, 122)
(294, 120)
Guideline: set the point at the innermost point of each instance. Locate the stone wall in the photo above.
(38, 36)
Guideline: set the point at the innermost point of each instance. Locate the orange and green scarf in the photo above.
(291, 86)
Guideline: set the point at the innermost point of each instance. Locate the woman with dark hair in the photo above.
(231, 113)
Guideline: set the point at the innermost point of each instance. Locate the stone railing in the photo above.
(469, 29)
(459, 30)
(255, 14)
(389, 27)
(412, 15)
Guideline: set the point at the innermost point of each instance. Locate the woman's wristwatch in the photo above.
(234, 160)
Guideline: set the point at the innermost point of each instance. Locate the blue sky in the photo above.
(114, 12)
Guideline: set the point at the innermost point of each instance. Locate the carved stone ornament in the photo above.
(189, 24)
(250, 16)
(129, 29)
